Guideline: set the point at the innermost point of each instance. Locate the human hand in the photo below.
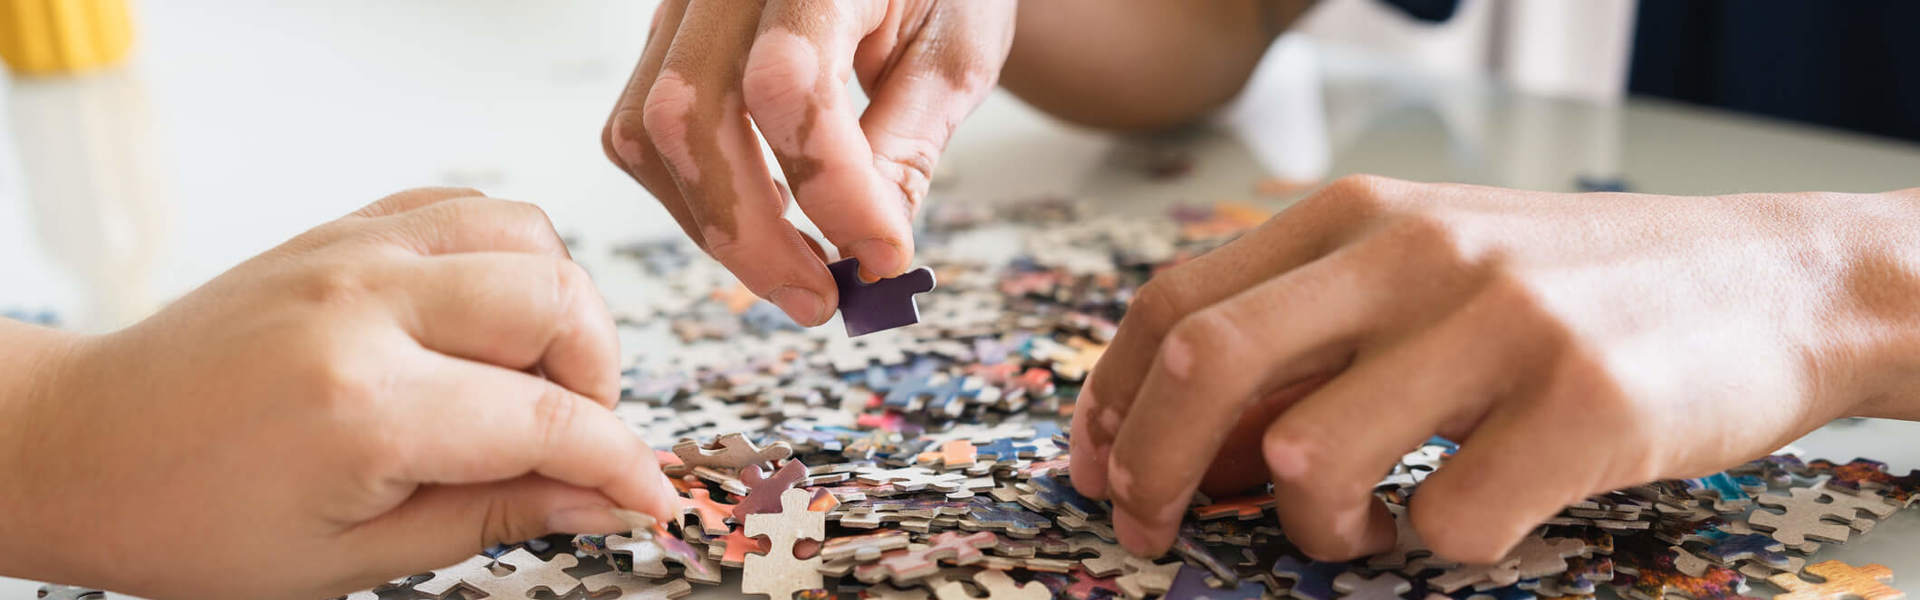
(1574, 343)
(363, 402)
(681, 127)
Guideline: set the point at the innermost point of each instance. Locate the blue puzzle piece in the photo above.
(1312, 579)
(1055, 491)
(1004, 449)
(884, 304)
(920, 392)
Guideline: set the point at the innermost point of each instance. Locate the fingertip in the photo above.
(1138, 536)
(880, 258)
(804, 306)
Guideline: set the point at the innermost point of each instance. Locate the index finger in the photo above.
(1283, 243)
(492, 424)
(795, 86)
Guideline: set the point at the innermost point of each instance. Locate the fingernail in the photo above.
(801, 304)
(1285, 460)
(878, 258)
(587, 520)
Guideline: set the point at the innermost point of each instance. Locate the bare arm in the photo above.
(1139, 64)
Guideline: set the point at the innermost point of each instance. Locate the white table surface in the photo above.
(241, 124)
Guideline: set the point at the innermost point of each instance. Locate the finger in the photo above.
(493, 424)
(935, 82)
(795, 87)
(624, 139)
(475, 224)
(516, 311)
(1328, 451)
(1292, 238)
(696, 119)
(1209, 370)
(1530, 457)
(440, 525)
(406, 200)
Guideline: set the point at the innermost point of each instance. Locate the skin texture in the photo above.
(1573, 344)
(356, 402)
(1143, 77)
(681, 127)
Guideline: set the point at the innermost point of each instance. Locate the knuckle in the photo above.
(1201, 341)
(624, 140)
(333, 284)
(777, 84)
(664, 114)
(1357, 197)
(1156, 305)
(501, 522)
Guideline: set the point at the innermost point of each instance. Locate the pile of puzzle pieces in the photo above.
(929, 461)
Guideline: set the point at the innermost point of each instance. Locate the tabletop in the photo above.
(240, 125)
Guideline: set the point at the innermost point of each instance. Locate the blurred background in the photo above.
(146, 147)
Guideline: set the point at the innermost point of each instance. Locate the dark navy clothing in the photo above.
(1851, 64)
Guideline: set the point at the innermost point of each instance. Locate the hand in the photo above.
(681, 127)
(361, 403)
(1574, 344)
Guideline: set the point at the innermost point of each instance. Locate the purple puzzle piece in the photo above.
(1191, 584)
(884, 304)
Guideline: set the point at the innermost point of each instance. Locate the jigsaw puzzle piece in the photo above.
(883, 304)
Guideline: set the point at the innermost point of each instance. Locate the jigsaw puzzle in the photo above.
(929, 462)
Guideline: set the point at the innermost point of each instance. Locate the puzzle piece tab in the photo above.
(884, 304)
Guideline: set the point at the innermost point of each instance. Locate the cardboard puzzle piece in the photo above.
(526, 574)
(634, 587)
(1385, 586)
(778, 574)
(732, 451)
(1108, 559)
(865, 547)
(998, 586)
(1838, 581)
(1535, 556)
(917, 561)
(445, 580)
(1145, 578)
(68, 592)
(1804, 517)
(884, 304)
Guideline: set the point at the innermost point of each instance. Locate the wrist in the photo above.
(1880, 295)
(34, 362)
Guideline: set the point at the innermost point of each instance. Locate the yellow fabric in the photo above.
(43, 37)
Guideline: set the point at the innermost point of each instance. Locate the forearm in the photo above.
(31, 360)
(1880, 291)
(1139, 64)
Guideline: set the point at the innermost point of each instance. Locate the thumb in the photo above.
(443, 524)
